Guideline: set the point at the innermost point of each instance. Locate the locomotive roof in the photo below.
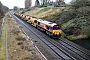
(47, 22)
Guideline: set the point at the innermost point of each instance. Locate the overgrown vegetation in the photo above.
(2, 44)
(75, 19)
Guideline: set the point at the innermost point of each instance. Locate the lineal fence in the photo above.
(1, 26)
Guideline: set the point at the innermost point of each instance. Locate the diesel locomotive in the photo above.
(51, 29)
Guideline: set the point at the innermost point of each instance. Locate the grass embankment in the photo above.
(2, 44)
(75, 22)
(43, 12)
(18, 47)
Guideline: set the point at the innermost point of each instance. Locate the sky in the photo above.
(67, 1)
(19, 3)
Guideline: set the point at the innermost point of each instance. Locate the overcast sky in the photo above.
(19, 3)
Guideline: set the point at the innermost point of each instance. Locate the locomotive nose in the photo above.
(57, 32)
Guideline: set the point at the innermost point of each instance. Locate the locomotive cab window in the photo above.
(57, 27)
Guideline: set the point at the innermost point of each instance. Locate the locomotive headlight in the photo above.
(56, 32)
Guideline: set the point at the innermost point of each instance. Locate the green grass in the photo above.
(73, 37)
(2, 44)
(43, 10)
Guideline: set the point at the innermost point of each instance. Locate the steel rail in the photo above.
(75, 49)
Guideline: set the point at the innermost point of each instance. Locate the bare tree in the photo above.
(28, 3)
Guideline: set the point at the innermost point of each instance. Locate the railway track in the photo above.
(57, 49)
(61, 47)
(74, 49)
